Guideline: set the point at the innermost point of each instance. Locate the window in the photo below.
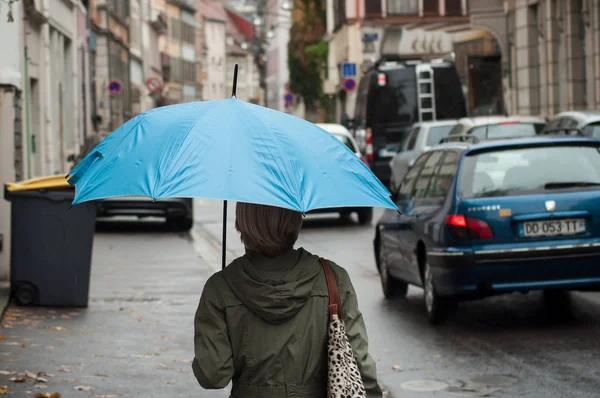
(339, 12)
(406, 189)
(506, 130)
(373, 8)
(406, 7)
(175, 29)
(431, 7)
(188, 71)
(176, 73)
(445, 176)
(120, 8)
(188, 33)
(424, 180)
(529, 170)
(592, 130)
(453, 8)
(412, 141)
(436, 134)
(567, 122)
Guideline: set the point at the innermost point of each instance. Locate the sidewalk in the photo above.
(136, 337)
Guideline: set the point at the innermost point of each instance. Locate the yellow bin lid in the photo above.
(48, 182)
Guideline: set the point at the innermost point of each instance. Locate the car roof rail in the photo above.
(460, 138)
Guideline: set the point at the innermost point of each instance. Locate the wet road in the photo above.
(509, 346)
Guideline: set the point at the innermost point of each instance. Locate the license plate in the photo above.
(384, 153)
(570, 226)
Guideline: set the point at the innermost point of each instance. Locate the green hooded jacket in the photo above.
(262, 323)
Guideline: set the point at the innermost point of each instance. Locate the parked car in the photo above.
(396, 93)
(484, 127)
(423, 136)
(365, 214)
(178, 212)
(586, 123)
(494, 217)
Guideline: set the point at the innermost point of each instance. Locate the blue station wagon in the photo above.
(483, 218)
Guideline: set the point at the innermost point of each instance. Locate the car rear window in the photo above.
(506, 130)
(437, 133)
(346, 141)
(593, 130)
(530, 170)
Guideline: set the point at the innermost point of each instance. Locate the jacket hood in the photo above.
(274, 289)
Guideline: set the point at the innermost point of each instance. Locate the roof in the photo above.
(582, 117)
(503, 142)
(448, 122)
(240, 24)
(495, 119)
(214, 11)
(334, 128)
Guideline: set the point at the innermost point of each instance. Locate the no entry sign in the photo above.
(153, 84)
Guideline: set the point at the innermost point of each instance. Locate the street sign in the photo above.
(381, 79)
(288, 98)
(348, 69)
(349, 84)
(114, 87)
(153, 84)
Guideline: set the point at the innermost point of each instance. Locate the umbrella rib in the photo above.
(178, 150)
(289, 183)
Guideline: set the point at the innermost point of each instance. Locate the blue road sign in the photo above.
(288, 97)
(349, 84)
(114, 87)
(348, 69)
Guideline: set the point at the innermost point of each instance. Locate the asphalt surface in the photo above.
(135, 338)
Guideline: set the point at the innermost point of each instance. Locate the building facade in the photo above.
(215, 35)
(278, 23)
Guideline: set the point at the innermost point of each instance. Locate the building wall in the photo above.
(215, 61)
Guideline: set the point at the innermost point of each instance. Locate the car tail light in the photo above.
(461, 227)
(369, 141)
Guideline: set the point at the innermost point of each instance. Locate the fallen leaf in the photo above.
(58, 328)
(17, 379)
(45, 374)
(145, 355)
(23, 345)
(65, 368)
(83, 388)
(42, 380)
(98, 356)
(101, 375)
(396, 367)
(2, 337)
(30, 375)
(40, 386)
(107, 396)
(3, 389)
(47, 395)
(6, 372)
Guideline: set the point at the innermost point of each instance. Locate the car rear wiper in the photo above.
(570, 184)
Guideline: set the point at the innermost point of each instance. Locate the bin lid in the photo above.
(48, 182)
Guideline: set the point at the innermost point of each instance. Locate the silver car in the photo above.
(486, 127)
(422, 136)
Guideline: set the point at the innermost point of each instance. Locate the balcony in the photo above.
(402, 7)
(189, 5)
(407, 8)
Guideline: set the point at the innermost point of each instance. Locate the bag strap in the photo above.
(335, 304)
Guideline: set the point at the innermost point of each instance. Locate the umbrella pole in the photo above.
(224, 248)
(223, 254)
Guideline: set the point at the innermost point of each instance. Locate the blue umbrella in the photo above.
(231, 150)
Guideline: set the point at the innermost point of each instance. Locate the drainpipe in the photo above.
(48, 98)
(26, 82)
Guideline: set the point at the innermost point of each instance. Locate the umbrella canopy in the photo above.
(231, 150)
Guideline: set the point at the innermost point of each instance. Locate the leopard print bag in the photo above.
(343, 378)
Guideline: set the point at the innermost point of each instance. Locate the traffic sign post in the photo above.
(288, 98)
(114, 87)
(349, 84)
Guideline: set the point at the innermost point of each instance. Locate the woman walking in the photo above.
(262, 322)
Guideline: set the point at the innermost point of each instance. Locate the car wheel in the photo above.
(391, 286)
(26, 294)
(437, 307)
(365, 216)
(181, 224)
(557, 302)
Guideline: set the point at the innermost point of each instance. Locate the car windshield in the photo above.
(530, 170)
(593, 130)
(437, 133)
(345, 140)
(507, 130)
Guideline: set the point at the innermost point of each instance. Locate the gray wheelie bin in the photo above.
(51, 243)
